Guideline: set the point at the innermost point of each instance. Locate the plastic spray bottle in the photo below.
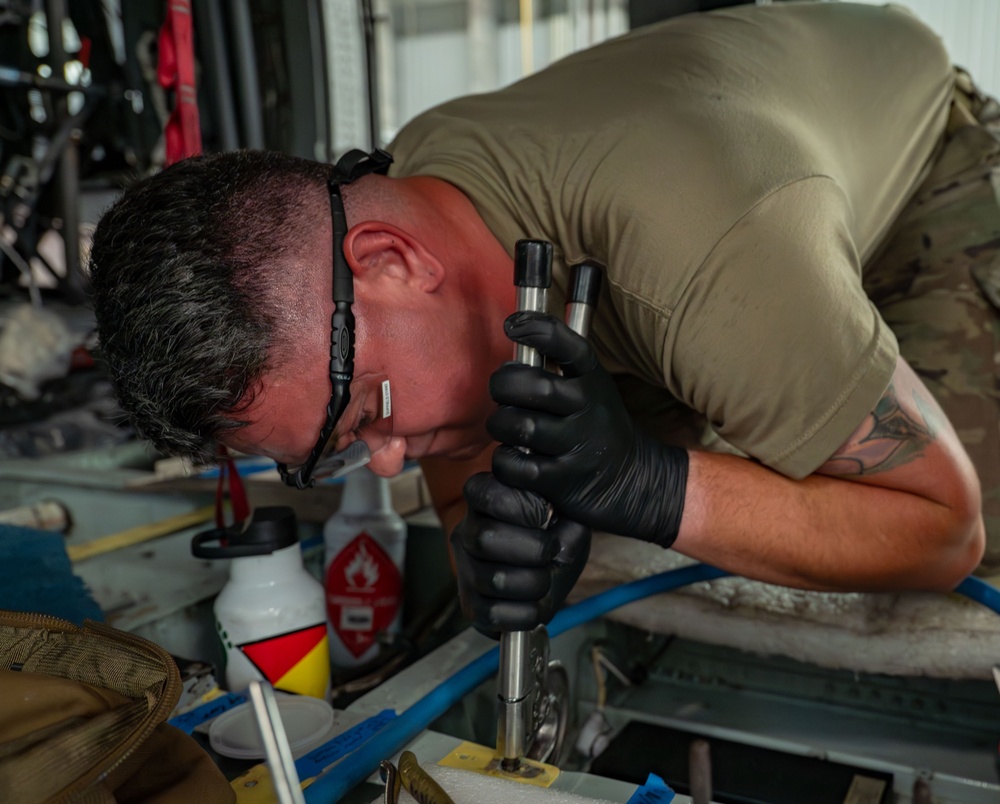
(365, 547)
(270, 615)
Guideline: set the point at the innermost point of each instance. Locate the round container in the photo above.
(308, 723)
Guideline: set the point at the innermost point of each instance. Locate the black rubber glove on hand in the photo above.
(514, 572)
(587, 457)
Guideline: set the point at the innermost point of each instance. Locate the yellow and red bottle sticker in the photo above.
(297, 661)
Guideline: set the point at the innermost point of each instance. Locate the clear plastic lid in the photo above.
(308, 723)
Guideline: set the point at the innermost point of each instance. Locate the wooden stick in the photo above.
(140, 534)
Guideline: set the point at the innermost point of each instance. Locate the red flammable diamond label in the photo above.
(363, 591)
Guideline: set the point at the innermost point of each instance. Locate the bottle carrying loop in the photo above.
(268, 529)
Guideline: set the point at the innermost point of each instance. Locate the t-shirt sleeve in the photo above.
(774, 339)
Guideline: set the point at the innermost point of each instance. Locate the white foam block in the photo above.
(908, 634)
(465, 786)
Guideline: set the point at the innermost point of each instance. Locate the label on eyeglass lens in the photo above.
(386, 400)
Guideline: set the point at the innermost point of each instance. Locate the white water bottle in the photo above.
(365, 547)
(270, 616)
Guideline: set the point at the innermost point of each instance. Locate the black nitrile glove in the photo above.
(514, 572)
(587, 458)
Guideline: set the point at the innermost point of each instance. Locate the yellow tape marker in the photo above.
(480, 759)
(256, 786)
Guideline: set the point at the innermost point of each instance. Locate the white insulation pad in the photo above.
(909, 634)
(466, 786)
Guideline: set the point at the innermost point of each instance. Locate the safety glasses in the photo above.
(359, 414)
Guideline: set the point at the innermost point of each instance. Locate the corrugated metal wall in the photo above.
(439, 49)
(971, 32)
(446, 48)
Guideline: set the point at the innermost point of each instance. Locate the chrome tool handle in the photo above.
(532, 277)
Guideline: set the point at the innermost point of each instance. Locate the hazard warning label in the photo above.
(363, 590)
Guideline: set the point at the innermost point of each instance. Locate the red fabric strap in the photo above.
(237, 492)
(176, 71)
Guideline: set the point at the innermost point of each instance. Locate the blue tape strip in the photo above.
(189, 721)
(319, 759)
(654, 791)
(244, 468)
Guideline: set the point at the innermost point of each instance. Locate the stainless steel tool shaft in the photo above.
(533, 276)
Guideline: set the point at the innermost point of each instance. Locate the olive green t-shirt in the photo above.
(733, 171)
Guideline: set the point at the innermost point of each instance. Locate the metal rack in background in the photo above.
(72, 139)
(39, 158)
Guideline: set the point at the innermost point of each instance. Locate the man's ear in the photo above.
(375, 249)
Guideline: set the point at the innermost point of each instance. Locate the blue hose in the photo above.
(601, 604)
(358, 765)
(981, 592)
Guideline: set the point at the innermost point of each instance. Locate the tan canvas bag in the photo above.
(82, 719)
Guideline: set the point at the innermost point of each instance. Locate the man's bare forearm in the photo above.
(896, 507)
(825, 533)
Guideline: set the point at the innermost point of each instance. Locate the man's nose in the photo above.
(388, 461)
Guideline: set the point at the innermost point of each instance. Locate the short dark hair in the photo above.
(187, 271)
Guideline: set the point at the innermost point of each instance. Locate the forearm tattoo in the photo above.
(895, 435)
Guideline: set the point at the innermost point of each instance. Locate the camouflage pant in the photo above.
(937, 285)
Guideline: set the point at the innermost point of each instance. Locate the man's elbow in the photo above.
(962, 543)
(968, 549)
